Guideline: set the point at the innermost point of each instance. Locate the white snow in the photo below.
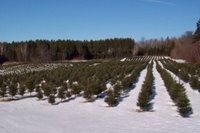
(176, 60)
(33, 116)
(20, 69)
(133, 95)
(122, 60)
(109, 86)
(179, 60)
(75, 83)
(162, 101)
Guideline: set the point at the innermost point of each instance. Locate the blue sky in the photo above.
(96, 19)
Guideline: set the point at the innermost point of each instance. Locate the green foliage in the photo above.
(12, 90)
(61, 94)
(111, 99)
(91, 78)
(196, 35)
(195, 83)
(39, 94)
(182, 70)
(184, 105)
(44, 50)
(184, 75)
(146, 91)
(176, 92)
(30, 86)
(76, 89)
(3, 90)
(117, 89)
(47, 90)
(51, 99)
(22, 90)
(88, 94)
(68, 94)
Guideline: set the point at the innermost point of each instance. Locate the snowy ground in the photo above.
(19, 69)
(76, 116)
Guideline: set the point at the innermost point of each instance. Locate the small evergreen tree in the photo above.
(76, 89)
(30, 85)
(51, 99)
(195, 83)
(3, 90)
(39, 94)
(88, 93)
(22, 90)
(12, 90)
(37, 89)
(47, 90)
(111, 100)
(68, 94)
(184, 106)
(184, 75)
(117, 90)
(61, 94)
(65, 86)
(143, 100)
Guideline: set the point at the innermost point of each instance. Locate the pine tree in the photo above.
(76, 89)
(12, 90)
(184, 75)
(184, 106)
(68, 94)
(3, 90)
(22, 90)
(39, 94)
(37, 89)
(117, 89)
(88, 93)
(196, 35)
(30, 85)
(195, 84)
(61, 94)
(143, 100)
(51, 99)
(47, 90)
(65, 86)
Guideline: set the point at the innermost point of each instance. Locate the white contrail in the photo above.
(159, 2)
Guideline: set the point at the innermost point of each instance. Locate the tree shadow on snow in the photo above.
(68, 99)
(21, 98)
(152, 96)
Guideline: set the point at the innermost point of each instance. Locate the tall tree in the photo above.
(196, 35)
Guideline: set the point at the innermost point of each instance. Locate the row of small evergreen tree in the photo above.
(185, 72)
(176, 92)
(123, 85)
(146, 94)
(89, 78)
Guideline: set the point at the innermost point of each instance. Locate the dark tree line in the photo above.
(44, 50)
(156, 46)
(196, 35)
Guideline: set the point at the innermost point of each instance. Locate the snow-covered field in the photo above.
(20, 69)
(77, 116)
